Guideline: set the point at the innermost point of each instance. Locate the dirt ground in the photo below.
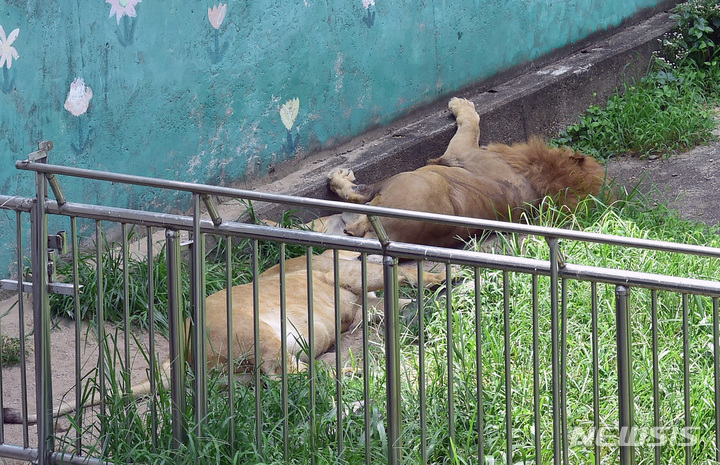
(687, 182)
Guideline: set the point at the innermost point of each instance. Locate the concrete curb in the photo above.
(542, 100)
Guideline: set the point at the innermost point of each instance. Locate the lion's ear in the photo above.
(578, 158)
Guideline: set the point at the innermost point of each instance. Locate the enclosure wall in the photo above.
(223, 92)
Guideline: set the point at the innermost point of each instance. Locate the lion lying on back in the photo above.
(496, 182)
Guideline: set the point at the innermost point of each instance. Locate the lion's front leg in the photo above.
(342, 182)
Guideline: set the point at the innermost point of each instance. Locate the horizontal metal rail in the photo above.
(401, 250)
(54, 287)
(472, 223)
(30, 455)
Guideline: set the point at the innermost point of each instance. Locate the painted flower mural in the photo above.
(7, 51)
(78, 99)
(122, 8)
(125, 10)
(77, 103)
(7, 54)
(369, 20)
(216, 16)
(288, 114)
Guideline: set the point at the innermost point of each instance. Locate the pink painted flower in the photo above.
(122, 8)
(7, 51)
(78, 99)
(216, 15)
(368, 3)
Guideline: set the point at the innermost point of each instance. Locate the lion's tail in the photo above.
(15, 416)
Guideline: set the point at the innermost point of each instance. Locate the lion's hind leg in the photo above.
(342, 182)
(468, 130)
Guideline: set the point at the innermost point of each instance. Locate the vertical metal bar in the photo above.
(2, 408)
(42, 324)
(230, 341)
(625, 385)
(554, 333)
(21, 322)
(536, 368)
(283, 353)
(655, 371)
(18, 248)
(126, 314)
(151, 335)
(421, 365)
(256, 344)
(100, 310)
(596, 372)
(366, 355)
(716, 360)
(311, 349)
(199, 338)
(563, 370)
(449, 355)
(78, 329)
(508, 374)
(338, 354)
(177, 337)
(392, 354)
(686, 376)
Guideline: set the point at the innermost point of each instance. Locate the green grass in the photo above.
(667, 111)
(10, 349)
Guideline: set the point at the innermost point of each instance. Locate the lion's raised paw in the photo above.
(457, 104)
(342, 174)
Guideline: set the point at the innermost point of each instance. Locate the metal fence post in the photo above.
(392, 345)
(177, 339)
(41, 315)
(392, 357)
(555, 265)
(198, 304)
(625, 384)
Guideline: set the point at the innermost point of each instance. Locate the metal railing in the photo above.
(548, 419)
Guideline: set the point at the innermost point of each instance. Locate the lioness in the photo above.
(296, 296)
(490, 182)
(297, 310)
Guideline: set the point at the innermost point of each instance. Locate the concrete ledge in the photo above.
(542, 100)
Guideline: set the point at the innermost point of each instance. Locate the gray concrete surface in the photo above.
(541, 100)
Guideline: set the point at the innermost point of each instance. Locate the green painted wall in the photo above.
(173, 89)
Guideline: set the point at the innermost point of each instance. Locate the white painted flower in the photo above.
(7, 51)
(368, 3)
(289, 111)
(78, 99)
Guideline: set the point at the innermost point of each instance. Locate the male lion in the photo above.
(495, 182)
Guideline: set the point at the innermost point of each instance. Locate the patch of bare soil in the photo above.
(63, 355)
(688, 182)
